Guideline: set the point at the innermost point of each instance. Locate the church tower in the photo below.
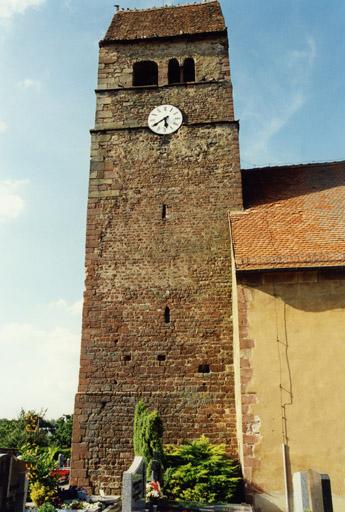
(164, 173)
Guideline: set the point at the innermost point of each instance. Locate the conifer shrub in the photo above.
(200, 472)
(140, 414)
(148, 433)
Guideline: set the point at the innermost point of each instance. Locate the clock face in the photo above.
(165, 119)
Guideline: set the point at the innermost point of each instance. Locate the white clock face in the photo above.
(165, 119)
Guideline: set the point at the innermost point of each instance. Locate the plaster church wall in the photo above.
(291, 339)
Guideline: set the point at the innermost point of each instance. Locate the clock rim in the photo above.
(164, 105)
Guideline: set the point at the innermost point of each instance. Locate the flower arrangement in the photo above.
(153, 491)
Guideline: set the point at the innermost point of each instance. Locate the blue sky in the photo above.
(289, 82)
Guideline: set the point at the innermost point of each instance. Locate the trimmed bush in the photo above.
(200, 472)
(140, 414)
(148, 432)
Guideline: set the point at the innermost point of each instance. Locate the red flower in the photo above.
(155, 486)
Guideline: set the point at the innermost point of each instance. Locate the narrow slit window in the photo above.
(145, 73)
(174, 72)
(164, 212)
(189, 70)
(167, 315)
(161, 357)
(127, 358)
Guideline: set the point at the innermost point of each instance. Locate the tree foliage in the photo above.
(29, 428)
(32, 428)
(10, 434)
(201, 472)
(38, 441)
(62, 431)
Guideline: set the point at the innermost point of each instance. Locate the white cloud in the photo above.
(9, 8)
(40, 359)
(74, 308)
(3, 127)
(306, 55)
(271, 122)
(12, 202)
(39, 369)
(269, 101)
(28, 83)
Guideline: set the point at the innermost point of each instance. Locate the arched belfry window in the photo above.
(145, 73)
(189, 70)
(174, 72)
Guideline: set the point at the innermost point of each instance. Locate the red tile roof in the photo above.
(294, 217)
(166, 22)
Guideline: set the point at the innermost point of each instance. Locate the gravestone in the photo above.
(301, 492)
(133, 486)
(312, 491)
(315, 491)
(327, 493)
(156, 475)
(13, 482)
(61, 460)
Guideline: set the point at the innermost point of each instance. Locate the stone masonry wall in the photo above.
(130, 108)
(210, 55)
(139, 263)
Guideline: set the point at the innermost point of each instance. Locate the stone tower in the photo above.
(157, 309)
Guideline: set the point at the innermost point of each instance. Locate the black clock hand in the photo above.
(164, 119)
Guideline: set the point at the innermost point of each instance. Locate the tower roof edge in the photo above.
(168, 21)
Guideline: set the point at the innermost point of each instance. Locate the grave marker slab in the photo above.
(327, 493)
(133, 486)
(312, 491)
(13, 482)
(315, 491)
(301, 492)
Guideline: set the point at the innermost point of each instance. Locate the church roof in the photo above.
(166, 21)
(294, 217)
